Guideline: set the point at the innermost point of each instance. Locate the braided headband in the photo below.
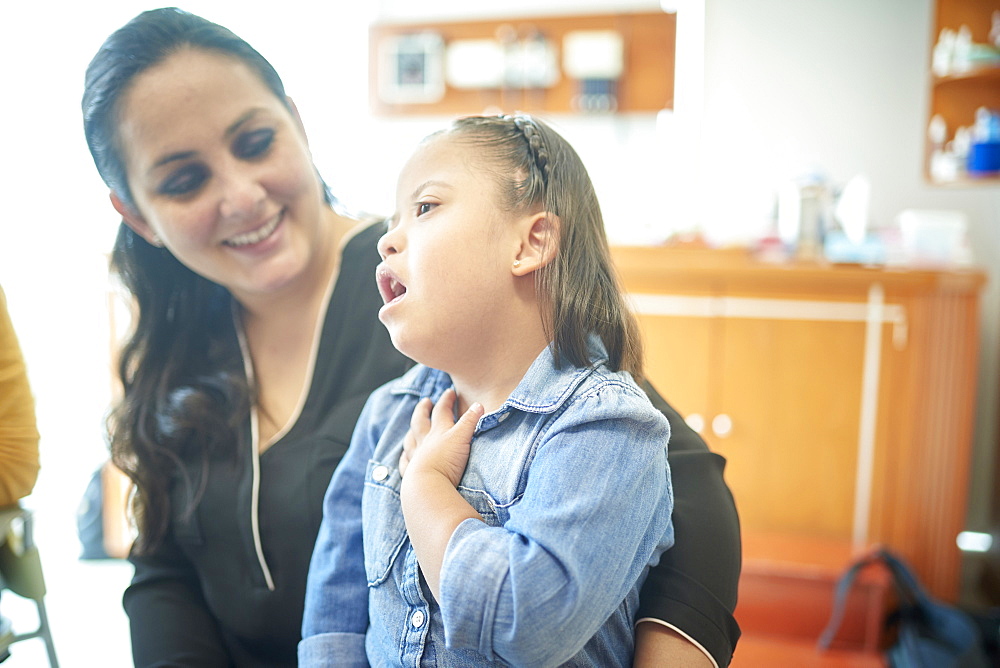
(526, 126)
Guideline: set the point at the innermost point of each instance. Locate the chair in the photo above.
(21, 573)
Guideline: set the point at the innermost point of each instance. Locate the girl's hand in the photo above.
(435, 454)
(437, 443)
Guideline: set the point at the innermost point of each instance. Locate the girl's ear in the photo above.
(132, 218)
(539, 243)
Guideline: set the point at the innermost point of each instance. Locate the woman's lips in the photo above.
(255, 236)
(389, 285)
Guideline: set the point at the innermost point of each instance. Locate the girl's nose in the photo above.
(242, 197)
(388, 243)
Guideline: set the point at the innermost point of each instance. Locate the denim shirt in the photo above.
(571, 480)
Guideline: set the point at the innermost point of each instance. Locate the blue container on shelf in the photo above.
(984, 151)
(984, 158)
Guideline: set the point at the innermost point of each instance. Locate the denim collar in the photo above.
(543, 389)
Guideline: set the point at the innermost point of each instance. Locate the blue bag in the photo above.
(929, 633)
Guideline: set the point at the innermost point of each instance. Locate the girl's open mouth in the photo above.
(389, 285)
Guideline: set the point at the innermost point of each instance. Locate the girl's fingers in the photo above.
(444, 409)
(420, 420)
(471, 416)
(465, 427)
(409, 442)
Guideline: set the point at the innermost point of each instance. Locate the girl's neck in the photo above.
(488, 360)
(497, 372)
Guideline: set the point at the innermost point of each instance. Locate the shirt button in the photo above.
(380, 473)
(417, 619)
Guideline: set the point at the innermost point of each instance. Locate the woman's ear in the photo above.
(298, 117)
(539, 243)
(135, 221)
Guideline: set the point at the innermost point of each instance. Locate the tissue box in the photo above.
(934, 238)
(837, 248)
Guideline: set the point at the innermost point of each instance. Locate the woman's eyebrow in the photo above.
(232, 129)
(187, 155)
(173, 157)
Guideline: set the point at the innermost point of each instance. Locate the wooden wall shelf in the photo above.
(647, 84)
(956, 96)
(976, 75)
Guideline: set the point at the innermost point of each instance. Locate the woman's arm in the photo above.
(693, 588)
(659, 645)
(169, 619)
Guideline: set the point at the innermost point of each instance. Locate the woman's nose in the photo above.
(242, 196)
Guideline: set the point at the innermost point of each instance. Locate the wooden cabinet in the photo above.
(740, 383)
(842, 397)
(955, 96)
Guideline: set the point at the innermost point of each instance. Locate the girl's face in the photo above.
(446, 275)
(221, 174)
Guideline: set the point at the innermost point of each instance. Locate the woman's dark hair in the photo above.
(580, 293)
(184, 388)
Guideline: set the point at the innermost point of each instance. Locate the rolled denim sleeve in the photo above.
(335, 618)
(594, 514)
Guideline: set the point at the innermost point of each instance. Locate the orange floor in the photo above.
(766, 652)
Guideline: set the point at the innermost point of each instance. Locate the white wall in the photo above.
(404, 10)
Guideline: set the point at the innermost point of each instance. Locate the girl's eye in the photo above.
(184, 181)
(425, 207)
(254, 144)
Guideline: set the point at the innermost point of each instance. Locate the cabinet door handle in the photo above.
(696, 421)
(722, 425)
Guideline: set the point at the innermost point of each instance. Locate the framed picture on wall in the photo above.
(411, 68)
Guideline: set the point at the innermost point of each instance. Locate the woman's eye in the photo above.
(254, 144)
(425, 207)
(184, 181)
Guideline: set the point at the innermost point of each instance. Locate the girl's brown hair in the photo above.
(579, 290)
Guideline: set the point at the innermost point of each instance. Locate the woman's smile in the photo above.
(257, 235)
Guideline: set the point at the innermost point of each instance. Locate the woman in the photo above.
(256, 344)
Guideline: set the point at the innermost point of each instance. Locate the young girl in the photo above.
(521, 532)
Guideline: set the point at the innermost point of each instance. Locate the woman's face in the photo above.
(221, 175)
